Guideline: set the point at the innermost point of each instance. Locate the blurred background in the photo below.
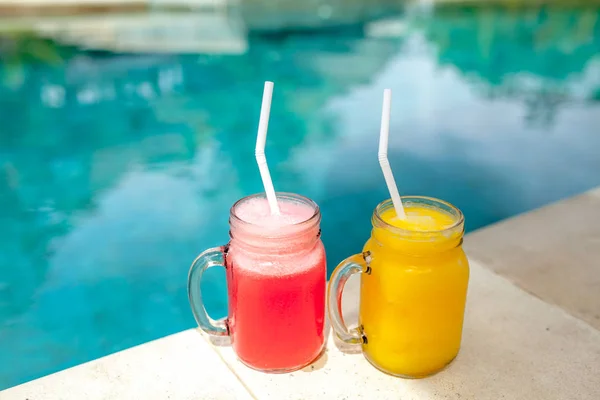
(127, 130)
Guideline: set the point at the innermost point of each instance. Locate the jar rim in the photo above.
(422, 200)
(285, 196)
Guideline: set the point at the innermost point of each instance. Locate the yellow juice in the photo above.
(412, 299)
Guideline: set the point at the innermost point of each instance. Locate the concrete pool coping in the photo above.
(13, 8)
(44, 8)
(525, 336)
(180, 33)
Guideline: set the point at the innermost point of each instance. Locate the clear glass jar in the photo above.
(413, 290)
(276, 279)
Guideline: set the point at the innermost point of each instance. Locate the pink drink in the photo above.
(276, 273)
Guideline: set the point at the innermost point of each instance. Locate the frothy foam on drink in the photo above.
(257, 212)
(419, 219)
(297, 254)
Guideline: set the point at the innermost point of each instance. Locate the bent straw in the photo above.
(383, 149)
(259, 152)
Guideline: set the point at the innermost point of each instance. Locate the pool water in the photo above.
(116, 170)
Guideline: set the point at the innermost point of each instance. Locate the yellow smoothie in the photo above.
(413, 299)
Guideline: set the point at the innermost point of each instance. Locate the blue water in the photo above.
(116, 170)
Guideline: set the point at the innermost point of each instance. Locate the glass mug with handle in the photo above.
(276, 282)
(414, 278)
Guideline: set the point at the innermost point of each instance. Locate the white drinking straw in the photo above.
(261, 139)
(383, 150)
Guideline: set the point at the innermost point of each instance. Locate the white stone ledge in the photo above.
(515, 346)
(552, 252)
(181, 366)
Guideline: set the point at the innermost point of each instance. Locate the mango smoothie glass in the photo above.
(414, 278)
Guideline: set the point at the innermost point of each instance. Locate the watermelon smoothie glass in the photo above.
(276, 278)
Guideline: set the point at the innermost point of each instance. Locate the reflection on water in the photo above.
(553, 48)
(115, 170)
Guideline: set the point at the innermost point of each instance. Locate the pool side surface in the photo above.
(552, 252)
(530, 332)
(85, 7)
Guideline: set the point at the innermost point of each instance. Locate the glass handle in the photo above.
(350, 266)
(214, 257)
